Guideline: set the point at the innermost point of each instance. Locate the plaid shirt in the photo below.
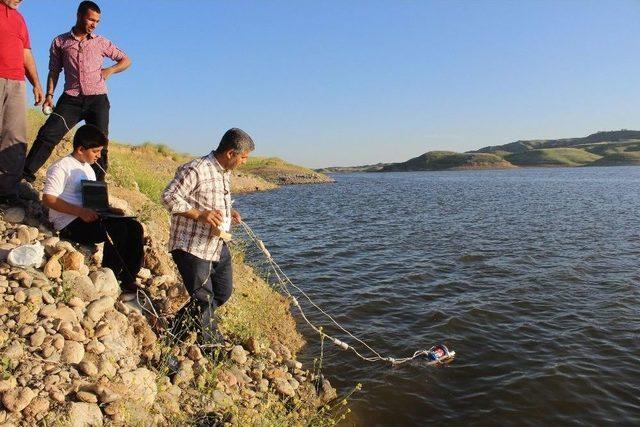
(202, 184)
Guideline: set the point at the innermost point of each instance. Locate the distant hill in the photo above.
(596, 138)
(606, 148)
(443, 160)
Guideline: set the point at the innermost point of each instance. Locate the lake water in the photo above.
(531, 275)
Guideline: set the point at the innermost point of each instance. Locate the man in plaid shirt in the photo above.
(199, 200)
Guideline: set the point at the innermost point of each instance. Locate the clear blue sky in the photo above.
(323, 83)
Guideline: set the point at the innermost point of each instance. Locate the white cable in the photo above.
(280, 274)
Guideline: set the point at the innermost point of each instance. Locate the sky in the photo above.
(337, 83)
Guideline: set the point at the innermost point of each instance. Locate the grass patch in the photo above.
(553, 157)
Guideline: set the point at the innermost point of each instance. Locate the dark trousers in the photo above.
(126, 253)
(209, 284)
(93, 109)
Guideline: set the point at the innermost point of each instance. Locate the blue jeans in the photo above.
(209, 284)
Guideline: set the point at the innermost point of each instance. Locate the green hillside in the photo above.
(619, 159)
(552, 157)
(449, 160)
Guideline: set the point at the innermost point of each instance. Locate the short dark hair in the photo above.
(86, 6)
(237, 140)
(89, 136)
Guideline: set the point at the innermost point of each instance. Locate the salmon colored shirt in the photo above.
(14, 39)
(82, 62)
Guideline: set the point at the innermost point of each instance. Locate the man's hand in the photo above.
(38, 95)
(213, 218)
(106, 72)
(235, 217)
(48, 102)
(87, 215)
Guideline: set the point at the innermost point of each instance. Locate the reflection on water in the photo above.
(530, 275)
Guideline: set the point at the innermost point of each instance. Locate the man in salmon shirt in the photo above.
(16, 61)
(80, 52)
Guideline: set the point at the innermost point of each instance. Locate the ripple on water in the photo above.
(530, 275)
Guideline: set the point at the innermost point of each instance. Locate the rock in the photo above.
(108, 396)
(263, 386)
(72, 352)
(65, 314)
(107, 368)
(65, 246)
(283, 387)
(327, 393)
(20, 296)
(50, 245)
(52, 269)
(105, 282)
(253, 345)
(48, 310)
(14, 215)
(98, 308)
(144, 274)
(37, 338)
(72, 261)
(26, 256)
(13, 352)
(221, 399)
(5, 248)
(194, 353)
(82, 287)
(95, 346)
(293, 364)
(82, 414)
(17, 399)
(22, 234)
(75, 333)
(185, 373)
(8, 384)
(37, 406)
(88, 368)
(141, 385)
(85, 396)
(239, 355)
(77, 302)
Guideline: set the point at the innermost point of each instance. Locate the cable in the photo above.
(284, 281)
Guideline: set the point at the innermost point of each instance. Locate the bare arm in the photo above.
(57, 204)
(31, 72)
(52, 82)
(118, 67)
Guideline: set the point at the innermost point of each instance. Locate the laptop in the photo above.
(95, 196)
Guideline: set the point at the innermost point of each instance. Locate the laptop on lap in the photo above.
(95, 196)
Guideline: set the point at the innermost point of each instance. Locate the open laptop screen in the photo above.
(94, 195)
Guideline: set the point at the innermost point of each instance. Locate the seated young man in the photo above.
(62, 194)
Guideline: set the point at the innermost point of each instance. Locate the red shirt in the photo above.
(14, 38)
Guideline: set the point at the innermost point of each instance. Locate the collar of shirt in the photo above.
(73, 36)
(216, 163)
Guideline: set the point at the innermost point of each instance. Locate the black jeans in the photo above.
(209, 284)
(93, 109)
(124, 256)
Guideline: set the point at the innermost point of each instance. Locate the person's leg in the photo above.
(199, 312)
(85, 233)
(13, 135)
(116, 247)
(222, 278)
(51, 133)
(96, 112)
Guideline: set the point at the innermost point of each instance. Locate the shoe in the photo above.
(11, 200)
(27, 192)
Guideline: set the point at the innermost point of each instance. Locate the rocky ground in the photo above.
(75, 351)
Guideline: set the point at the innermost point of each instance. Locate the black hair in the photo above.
(89, 136)
(86, 6)
(237, 140)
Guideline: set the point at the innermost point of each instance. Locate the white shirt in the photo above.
(64, 181)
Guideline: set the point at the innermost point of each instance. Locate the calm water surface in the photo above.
(532, 276)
